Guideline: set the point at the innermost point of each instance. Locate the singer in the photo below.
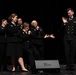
(70, 38)
(38, 35)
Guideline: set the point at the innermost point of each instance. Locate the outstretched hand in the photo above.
(51, 36)
(46, 36)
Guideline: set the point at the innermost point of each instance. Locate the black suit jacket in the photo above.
(25, 40)
(37, 36)
(12, 31)
(3, 36)
(70, 29)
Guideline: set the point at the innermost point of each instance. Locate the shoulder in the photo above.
(31, 28)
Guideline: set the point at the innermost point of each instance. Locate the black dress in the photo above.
(14, 47)
(3, 44)
(28, 50)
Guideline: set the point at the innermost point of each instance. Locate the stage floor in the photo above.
(62, 72)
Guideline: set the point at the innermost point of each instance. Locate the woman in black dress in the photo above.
(3, 44)
(28, 49)
(14, 47)
(37, 38)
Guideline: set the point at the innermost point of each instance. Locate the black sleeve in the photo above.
(2, 30)
(12, 30)
(35, 34)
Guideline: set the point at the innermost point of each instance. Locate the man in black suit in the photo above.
(70, 38)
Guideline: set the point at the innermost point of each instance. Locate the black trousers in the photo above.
(32, 54)
(70, 46)
(40, 49)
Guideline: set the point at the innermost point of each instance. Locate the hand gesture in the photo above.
(29, 32)
(37, 27)
(46, 36)
(51, 36)
(64, 20)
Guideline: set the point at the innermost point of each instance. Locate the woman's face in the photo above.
(14, 19)
(34, 24)
(4, 22)
(27, 28)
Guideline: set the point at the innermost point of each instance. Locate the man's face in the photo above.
(20, 21)
(70, 13)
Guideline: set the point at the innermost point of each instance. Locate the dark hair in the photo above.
(12, 16)
(70, 9)
(2, 21)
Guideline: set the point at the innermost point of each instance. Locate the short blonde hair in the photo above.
(33, 21)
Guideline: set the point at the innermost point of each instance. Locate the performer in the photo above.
(70, 38)
(20, 22)
(14, 49)
(3, 43)
(37, 37)
(28, 49)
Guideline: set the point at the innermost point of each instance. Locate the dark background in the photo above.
(48, 13)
